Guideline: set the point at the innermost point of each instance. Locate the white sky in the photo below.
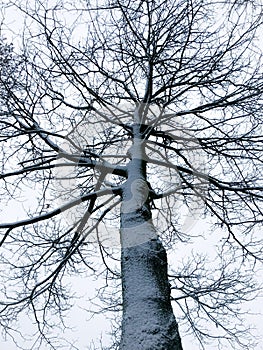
(88, 330)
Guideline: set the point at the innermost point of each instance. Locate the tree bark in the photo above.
(148, 320)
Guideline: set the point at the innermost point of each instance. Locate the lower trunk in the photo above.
(148, 320)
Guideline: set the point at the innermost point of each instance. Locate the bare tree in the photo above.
(143, 112)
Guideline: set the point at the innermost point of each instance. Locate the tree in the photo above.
(143, 112)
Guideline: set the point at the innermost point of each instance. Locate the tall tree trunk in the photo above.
(148, 320)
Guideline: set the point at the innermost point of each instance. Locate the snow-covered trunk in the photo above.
(148, 321)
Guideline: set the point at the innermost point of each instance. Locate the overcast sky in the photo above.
(88, 330)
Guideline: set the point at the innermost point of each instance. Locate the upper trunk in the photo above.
(148, 321)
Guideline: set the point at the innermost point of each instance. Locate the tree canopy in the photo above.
(140, 114)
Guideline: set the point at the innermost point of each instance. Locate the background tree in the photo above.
(142, 112)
